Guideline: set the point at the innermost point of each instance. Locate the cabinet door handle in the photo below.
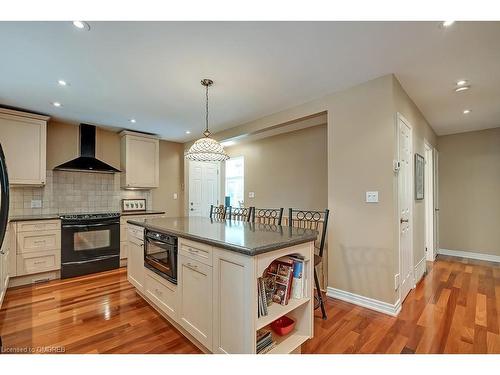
(40, 262)
(193, 251)
(194, 267)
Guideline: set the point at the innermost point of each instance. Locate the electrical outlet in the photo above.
(36, 203)
(396, 281)
(251, 194)
(372, 197)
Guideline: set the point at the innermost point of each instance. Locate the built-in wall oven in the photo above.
(160, 254)
(89, 243)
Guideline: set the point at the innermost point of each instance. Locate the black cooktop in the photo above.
(90, 216)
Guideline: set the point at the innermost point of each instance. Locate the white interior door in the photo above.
(436, 201)
(429, 204)
(405, 207)
(203, 187)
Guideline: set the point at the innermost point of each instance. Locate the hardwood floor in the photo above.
(453, 310)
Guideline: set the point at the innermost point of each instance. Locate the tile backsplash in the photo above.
(71, 192)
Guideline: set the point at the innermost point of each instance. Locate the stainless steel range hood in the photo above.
(87, 161)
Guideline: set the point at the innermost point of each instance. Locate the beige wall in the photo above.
(269, 174)
(469, 186)
(361, 144)
(171, 179)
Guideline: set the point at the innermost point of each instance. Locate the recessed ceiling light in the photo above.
(462, 82)
(188, 132)
(57, 104)
(82, 25)
(62, 83)
(466, 111)
(133, 120)
(447, 23)
(462, 88)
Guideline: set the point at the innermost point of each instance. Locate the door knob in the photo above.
(404, 221)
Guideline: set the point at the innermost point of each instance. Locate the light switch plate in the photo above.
(251, 194)
(175, 195)
(36, 203)
(372, 197)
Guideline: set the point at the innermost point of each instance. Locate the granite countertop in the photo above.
(245, 238)
(56, 216)
(146, 212)
(34, 217)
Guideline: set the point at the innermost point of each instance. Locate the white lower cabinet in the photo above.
(4, 265)
(233, 289)
(162, 293)
(135, 265)
(195, 299)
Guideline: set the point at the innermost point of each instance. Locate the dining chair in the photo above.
(318, 221)
(272, 216)
(218, 212)
(239, 213)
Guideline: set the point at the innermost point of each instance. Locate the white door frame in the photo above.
(429, 202)
(400, 117)
(435, 158)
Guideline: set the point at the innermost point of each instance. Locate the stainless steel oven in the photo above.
(89, 243)
(160, 254)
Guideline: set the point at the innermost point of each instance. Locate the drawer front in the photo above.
(28, 242)
(35, 225)
(161, 293)
(196, 251)
(38, 262)
(135, 232)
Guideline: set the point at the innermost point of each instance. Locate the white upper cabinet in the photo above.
(140, 160)
(24, 141)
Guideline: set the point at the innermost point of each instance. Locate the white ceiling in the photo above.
(151, 70)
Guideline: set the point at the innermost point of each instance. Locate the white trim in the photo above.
(363, 301)
(470, 255)
(420, 269)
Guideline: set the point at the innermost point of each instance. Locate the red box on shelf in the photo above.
(283, 326)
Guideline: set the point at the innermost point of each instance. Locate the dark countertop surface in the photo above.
(242, 237)
(34, 217)
(56, 216)
(147, 212)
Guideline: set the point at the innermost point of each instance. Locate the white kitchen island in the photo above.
(215, 301)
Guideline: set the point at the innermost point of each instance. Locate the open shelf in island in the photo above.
(275, 311)
(301, 310)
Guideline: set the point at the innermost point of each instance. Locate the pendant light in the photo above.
(207, 148)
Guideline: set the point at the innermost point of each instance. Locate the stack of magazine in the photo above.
(264, 341)
(282, 280)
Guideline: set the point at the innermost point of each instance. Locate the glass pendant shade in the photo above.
(206, 148)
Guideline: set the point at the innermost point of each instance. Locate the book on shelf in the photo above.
(298, 285)
(262, 298)
(264, 341)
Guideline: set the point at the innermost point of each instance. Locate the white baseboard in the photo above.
(420, 270)
(470, 255)
(363, 301)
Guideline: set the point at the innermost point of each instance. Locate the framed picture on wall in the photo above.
(419, 177)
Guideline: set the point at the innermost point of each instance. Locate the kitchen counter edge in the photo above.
(224, 245)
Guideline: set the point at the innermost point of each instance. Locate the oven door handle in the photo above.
(159, 243)
(88, 225)
(92, 260)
